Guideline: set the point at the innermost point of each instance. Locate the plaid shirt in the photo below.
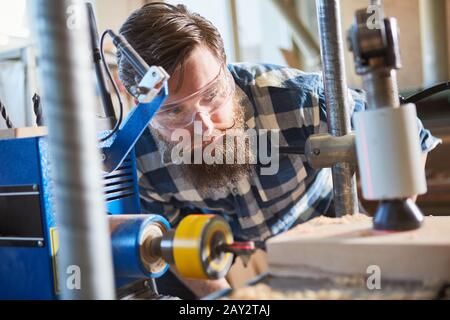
(260, 206)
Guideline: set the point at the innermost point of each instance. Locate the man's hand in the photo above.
(202, 288)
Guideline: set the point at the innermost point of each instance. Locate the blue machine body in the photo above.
(26, 270)
(28, 236)
(26, 218)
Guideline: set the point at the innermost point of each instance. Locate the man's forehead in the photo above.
(201, 67)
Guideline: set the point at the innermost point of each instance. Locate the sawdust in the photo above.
(312, 225)
(347, 281)
(264, 292)
(320, 221)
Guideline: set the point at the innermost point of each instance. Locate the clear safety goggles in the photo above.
(211, 98)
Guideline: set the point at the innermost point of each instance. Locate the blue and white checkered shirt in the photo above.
(260, 206)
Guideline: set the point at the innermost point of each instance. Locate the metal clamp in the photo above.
(374, 47)
(151, 84)
(325, 150)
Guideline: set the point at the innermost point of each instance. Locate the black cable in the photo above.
(108, 72)
(5, 116)
(108, 106)
(426, 93)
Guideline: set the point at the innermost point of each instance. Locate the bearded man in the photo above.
(208, 98)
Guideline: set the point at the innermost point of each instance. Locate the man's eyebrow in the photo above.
(174, 106)
(210, 89)
(180, 78)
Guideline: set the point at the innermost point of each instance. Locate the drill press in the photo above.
(387, 142)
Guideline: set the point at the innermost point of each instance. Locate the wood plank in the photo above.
(349, 245)
(26, 132)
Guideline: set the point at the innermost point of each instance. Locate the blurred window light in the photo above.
(218, 13)
(261, 28)
(13, 21)
(263, 32)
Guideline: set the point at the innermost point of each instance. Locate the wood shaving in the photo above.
(322, 220)
(264, 292)
(311, 225)
(347, 281)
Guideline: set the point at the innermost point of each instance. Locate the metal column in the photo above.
(336, 93)
(65, 69)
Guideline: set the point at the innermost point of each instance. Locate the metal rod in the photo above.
(383, 80)
(65, 69)
(336, 94)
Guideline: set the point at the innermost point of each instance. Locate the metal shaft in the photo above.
(338, 111)
(384, 81)
(65, 68)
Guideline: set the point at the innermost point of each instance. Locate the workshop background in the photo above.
(267, 31)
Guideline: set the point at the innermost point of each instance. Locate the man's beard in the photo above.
(211, 179)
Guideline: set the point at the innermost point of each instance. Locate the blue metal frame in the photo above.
(28, 272)
(126, 177)
(119, 146)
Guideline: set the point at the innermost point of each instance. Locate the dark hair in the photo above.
(165, 35)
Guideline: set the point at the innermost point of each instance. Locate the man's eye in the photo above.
(173, 112)
(210, 96)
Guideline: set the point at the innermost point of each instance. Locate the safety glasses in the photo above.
(210, 99)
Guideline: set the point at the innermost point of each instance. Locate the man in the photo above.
(207, 94)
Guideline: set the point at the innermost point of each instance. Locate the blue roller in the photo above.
(128, 233)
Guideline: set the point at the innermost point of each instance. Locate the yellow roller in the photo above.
(194, 247)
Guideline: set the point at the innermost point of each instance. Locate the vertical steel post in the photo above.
(65, 69)
(336, 94)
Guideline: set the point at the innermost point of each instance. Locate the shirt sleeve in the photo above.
(427, 141)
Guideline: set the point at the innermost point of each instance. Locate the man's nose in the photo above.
(207, 124)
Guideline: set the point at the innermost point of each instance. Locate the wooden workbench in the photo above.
(349, 246)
